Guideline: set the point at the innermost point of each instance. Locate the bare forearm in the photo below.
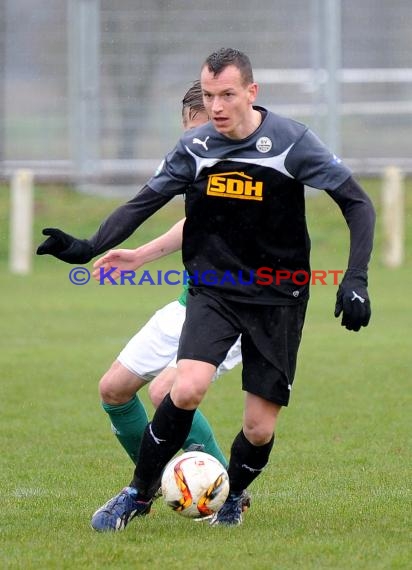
(165, 244)
(118, 260)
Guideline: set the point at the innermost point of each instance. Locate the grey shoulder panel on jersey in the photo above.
(310, 162)
(175, 173)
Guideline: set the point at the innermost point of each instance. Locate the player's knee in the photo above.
(161, 385)
(192, 381)
(107, 389)
(257, 433)
(114, 388)
(156, 393)
(259, 422)
(187, 396)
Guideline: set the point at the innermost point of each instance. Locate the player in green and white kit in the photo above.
(149, 358)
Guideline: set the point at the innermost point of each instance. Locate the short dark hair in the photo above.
(219, 60)
(193, 100)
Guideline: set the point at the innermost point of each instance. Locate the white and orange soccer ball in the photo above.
(195, 484)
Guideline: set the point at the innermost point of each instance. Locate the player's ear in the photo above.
(253, 89)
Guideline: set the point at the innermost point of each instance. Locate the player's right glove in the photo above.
(65, 247)
(352, 300)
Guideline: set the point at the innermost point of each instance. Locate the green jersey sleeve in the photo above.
(183, 296)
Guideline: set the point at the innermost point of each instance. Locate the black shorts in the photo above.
(270, 340)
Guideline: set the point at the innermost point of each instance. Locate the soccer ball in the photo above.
(195, 484)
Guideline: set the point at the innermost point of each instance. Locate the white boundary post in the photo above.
(21, 222)
(393, 205)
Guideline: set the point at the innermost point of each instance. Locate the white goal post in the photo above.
(21, 222)
(393, 217)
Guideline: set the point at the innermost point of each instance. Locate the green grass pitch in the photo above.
(336, 492)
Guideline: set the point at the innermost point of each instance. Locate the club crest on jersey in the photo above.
(235, 185)
(264, 144)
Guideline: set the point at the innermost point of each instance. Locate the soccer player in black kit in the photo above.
(243, 175)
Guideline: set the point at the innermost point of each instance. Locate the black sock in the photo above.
(162, 438)
(247, 461)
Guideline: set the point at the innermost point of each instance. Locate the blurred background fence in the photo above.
(90, 90)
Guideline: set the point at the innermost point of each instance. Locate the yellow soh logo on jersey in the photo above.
(235, 185)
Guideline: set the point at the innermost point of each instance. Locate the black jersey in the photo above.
(245, 208)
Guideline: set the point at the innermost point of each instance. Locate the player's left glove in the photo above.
(65, 247)
(352, 300)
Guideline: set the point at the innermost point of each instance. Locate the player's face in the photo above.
(228, 102)
(192, 119)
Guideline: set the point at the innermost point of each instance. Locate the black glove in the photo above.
(65, 247)
(352, 300)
